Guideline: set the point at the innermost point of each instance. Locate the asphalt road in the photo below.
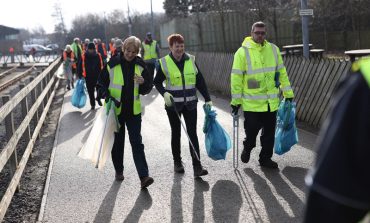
(77, 192)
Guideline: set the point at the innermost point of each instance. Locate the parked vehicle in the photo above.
(53, 46)
(36, 50)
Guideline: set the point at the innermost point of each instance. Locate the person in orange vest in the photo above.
(117, 47)
(89, 67)
(102, 50)
(111, 46)
(68, 61)
(84, 45)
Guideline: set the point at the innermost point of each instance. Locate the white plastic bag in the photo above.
(101, 137)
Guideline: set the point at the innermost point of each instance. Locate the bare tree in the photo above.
(60, 31)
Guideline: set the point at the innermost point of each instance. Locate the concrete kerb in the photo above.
(47, 183)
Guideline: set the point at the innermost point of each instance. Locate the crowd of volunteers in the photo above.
(129, 68)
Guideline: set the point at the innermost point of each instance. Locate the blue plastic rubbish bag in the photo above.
(217, 140)
(286, 131)
(79, 94)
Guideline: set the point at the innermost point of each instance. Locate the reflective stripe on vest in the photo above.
(150, 50)
(260, 70)
(365, 70)
(117, 82)
(174, 78)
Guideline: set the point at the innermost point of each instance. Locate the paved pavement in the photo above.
(77, 192)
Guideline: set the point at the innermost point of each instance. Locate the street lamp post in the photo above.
(305, 35)
(105, 30)
(151, 11)
(129, 20)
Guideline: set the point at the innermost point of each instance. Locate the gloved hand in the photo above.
(102, 92)
(209, 104)
(235, 109)
(167, 99)
(289, 99)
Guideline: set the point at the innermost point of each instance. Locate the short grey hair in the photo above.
(132, 41)
(258, 24)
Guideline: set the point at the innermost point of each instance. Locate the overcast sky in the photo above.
(33, 13)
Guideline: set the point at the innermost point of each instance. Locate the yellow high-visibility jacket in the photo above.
(115, 87)
(253, 75)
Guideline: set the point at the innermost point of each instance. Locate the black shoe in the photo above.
(99, 102)
(246, 155)
(68, 88)
(119, 177)
(145, 182)
(199, 171)
(268, 163)
(179, 167)
(92, 107)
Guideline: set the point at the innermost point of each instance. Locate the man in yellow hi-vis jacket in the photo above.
(257, 75)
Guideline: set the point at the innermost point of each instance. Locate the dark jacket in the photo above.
(100, 50)
(92, 66)
(127, 98)
(200, 84)
(342, 171)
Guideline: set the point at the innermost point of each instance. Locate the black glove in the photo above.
(289, 99)
(102, 92)
(235, 109)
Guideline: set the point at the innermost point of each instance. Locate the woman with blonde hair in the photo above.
(124, 78)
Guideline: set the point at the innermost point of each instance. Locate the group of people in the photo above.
(127, 75)
(258, 75)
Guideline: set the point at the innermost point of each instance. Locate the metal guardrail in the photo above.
(24, 57)
(42, 90)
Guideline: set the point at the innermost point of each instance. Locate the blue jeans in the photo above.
(134, 132)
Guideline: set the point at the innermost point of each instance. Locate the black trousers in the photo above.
(320, 209)
(190, 117)
(253, 123)
(90, 85)
(134, 132)
(151, 68)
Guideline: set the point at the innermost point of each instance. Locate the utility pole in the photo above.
(151, 12)
(105, 31)
(305, 13)
(129, 20)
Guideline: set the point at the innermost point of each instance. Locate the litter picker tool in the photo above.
(235, 140)
(183, 126)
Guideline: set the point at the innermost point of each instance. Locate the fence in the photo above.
(42, 90)
(313, 81)
(23, 57)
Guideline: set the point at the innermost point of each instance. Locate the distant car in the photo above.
(36, 50)
(53, 46)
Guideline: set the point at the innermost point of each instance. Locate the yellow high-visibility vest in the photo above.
(253, 77)
(174, 81)
(150, 51)
(117, 82)
(364, 66)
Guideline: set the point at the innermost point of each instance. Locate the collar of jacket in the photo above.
(147, 41)
(249, 43)
(183, 58)
(117, 60)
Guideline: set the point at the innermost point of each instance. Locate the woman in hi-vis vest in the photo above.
(182, 80)
(123, 78)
